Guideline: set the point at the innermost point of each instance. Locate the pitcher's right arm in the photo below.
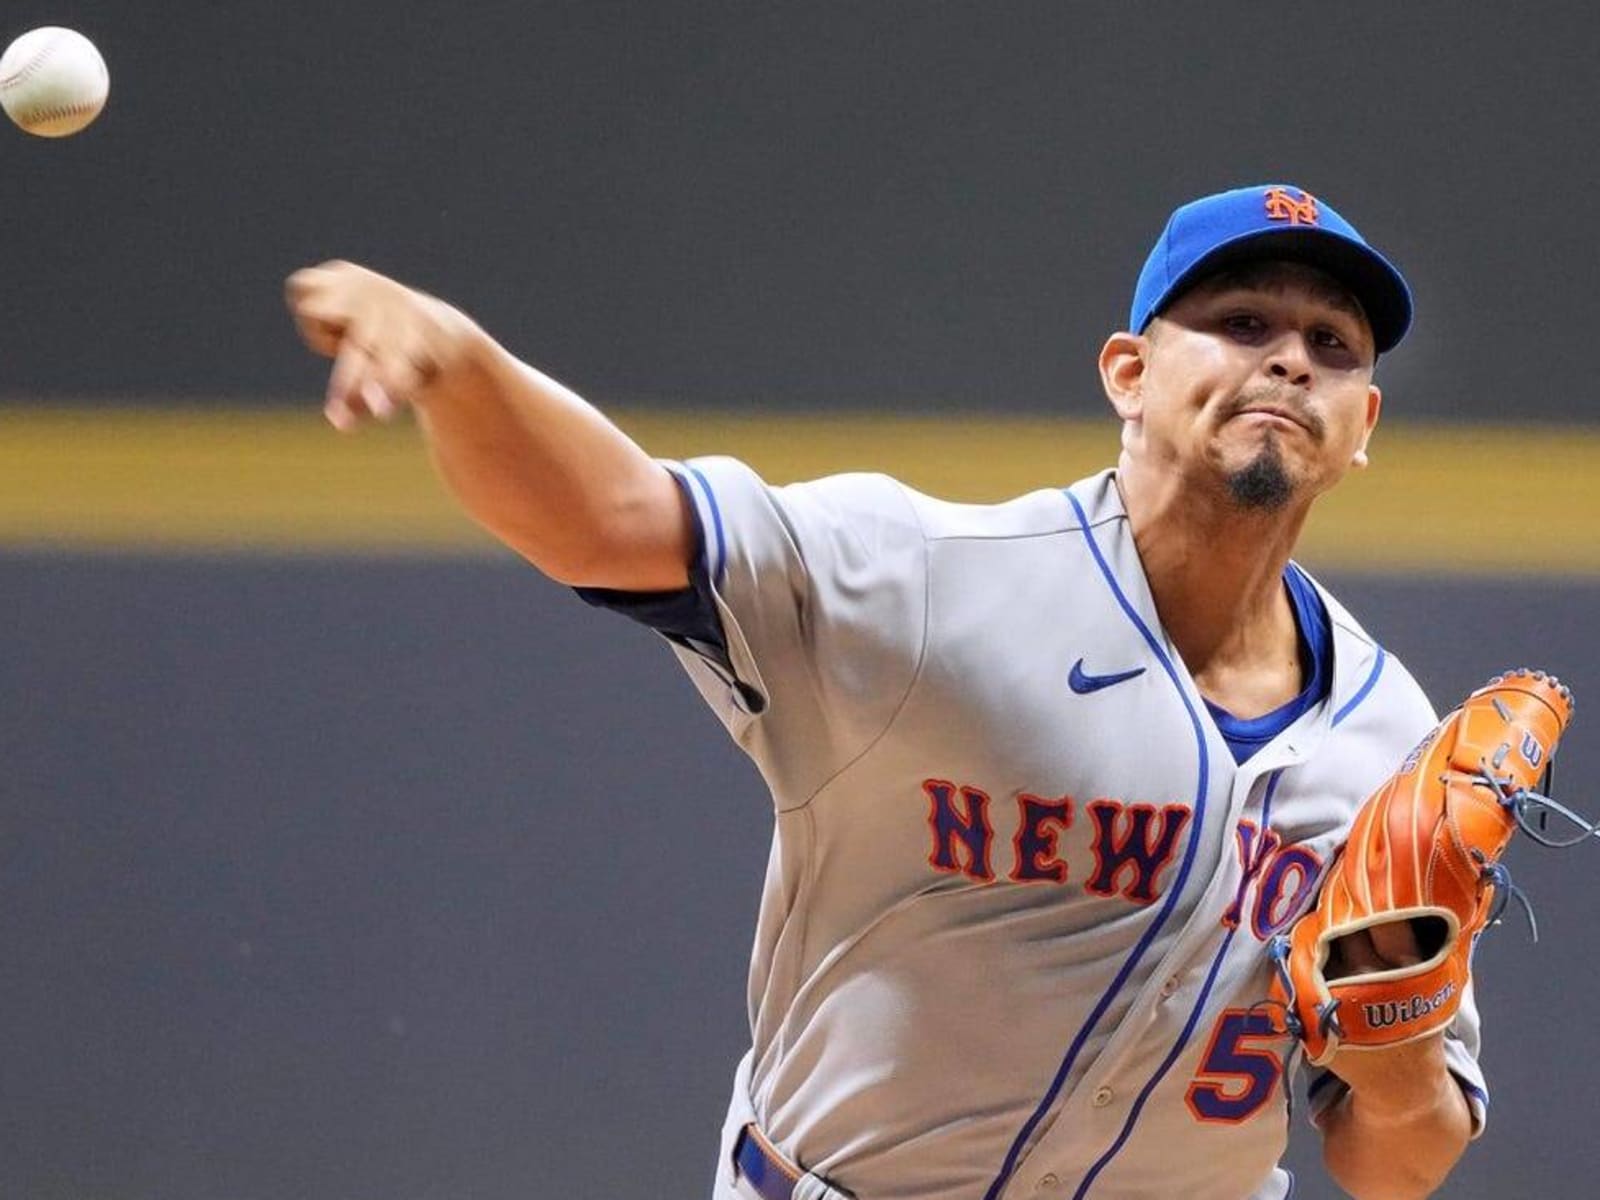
(529, 459)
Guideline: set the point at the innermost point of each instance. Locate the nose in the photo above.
(1289, 360)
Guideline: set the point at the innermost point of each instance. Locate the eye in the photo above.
(1337, 347)
(1244, 324)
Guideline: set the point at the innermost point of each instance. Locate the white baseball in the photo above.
(53, 81)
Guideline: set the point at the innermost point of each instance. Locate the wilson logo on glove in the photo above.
(1425, 849)
(1381, 1016)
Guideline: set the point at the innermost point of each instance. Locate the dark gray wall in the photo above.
(896, 203)
(416, 881)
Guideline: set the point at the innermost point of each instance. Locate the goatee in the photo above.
(1262, 485)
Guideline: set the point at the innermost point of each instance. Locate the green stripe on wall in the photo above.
(1438, 498)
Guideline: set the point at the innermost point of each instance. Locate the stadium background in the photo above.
(343, 857)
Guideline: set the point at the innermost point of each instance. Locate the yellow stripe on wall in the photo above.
(1438, 498)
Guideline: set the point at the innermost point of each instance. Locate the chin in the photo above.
(1264, 484)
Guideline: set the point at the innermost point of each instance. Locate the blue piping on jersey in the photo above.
(1188, 1027)
(1361, 692)
(1197, 823)
(716, 524)
(1183, 1038)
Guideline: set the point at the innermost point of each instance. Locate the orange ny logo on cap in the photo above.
(1281, 206)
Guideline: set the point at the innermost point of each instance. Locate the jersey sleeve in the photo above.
(819, 594)
(1462, 1043)
(687, 616)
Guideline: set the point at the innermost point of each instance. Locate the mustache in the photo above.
(1284, 401)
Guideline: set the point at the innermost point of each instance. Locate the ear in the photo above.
(1122, 364)
(1374, 406)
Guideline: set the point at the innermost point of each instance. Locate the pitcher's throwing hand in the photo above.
(391, 344)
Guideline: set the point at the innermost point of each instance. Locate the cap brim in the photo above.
(1370, 278)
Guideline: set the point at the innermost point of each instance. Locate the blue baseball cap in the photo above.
(1270, 220)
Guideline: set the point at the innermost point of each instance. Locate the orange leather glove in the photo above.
(1424, 848)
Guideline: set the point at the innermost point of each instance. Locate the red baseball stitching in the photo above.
(34, 116)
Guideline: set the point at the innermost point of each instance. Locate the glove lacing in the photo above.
(1531, 811)
(1327, 1013)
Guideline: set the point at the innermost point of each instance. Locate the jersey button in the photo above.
(1103, 1096)
(1048, 1181)
(1170, 986)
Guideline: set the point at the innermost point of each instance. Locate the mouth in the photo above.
(1273, 415)
(1276, 416)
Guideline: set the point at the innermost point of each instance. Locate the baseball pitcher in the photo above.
(1053, 779)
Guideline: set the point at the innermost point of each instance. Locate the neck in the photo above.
(1216, 574)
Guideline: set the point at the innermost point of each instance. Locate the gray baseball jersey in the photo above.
(1011, 941)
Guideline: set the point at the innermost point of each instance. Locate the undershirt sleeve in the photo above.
(686, 617)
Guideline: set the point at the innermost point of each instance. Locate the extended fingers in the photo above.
(349, 385)
(389, 343)
(373, 376)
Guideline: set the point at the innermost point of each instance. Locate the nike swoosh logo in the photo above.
(1083, 683)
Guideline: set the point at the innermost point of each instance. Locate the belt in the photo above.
(761, 1166)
